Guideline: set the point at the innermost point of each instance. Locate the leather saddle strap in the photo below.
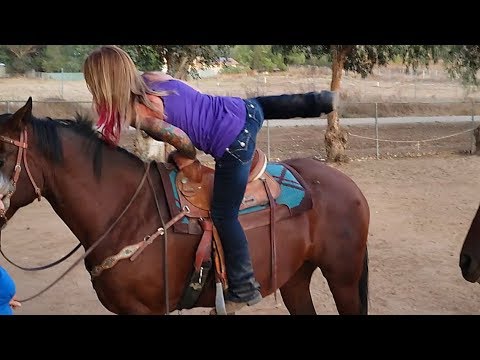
(271, 202)
(219, 258)
(204, 250)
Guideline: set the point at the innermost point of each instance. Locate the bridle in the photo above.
(22, 145)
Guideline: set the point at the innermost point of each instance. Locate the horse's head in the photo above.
(15, 172)
(470, 253)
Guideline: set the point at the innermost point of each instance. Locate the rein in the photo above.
(40, 267)
(96, 243)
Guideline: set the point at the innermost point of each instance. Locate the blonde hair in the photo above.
(117, 86)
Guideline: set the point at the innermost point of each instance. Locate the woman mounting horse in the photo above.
(224, 127)
(116, 205)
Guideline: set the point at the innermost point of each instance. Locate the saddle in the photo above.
(196, 188)
(195, 192)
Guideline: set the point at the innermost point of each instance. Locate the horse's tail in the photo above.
(363, 286)
(308, 105)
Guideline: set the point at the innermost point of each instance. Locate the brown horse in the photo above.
(90, 184)
(470, 252)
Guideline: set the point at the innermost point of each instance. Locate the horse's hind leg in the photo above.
(296, 291)
(348, 283)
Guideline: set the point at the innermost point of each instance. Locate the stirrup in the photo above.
(220, 308)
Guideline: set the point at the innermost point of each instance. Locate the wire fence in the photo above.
(375, 129)
(430, 139)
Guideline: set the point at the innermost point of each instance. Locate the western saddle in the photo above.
(195, 190)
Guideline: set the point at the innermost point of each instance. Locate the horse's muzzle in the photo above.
(470, 268)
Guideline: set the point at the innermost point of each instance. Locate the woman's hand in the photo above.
(191, 167)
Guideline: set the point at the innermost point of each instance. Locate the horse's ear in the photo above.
(23, 115)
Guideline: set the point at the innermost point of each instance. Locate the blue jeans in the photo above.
(231, 177)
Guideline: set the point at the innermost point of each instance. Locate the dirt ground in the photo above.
(421, 208)
(422, 195)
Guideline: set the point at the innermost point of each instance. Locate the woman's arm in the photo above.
(152, 123)
(162, 131)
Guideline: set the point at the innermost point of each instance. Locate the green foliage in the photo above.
(362, 58)
(243, 54)
(462, 62)
(178, 58)
(146, 57)
(234, 69)
(52, 58)
(70, 58)
(258, 57)
(4, 57)
(319, 60)
(297, 58)
(21, 58)
(415, 55)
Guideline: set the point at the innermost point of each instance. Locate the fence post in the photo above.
(376, 131)
(61, 77)
(268, 121)
(472, 150)
(268, 139)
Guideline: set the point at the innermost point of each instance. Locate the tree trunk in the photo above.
(177, 67)
(182, 69)
(336, 137)
(476, 133)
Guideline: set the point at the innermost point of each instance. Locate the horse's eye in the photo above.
(2, 162)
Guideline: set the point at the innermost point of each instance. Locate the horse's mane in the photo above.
(48, 139)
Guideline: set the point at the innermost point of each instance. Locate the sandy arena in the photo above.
(422, 197)
(421, 209)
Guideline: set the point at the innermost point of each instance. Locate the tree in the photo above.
(70, 58)
(146, 57)
(52, 58)
(463, 62)
(258, 57)
(360, 59)
(21, 58)
(179, 59)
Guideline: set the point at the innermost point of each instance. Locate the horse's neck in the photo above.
(87, 204)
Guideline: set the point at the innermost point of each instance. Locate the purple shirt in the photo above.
(211, 122)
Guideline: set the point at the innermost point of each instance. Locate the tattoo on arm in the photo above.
(162, 131)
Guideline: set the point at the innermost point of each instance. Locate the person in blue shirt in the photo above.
(7, 293)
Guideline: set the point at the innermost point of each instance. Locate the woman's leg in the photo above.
(229, 188)
(231, 177)
(307, 105)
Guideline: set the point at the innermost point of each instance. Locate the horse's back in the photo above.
(329, 185)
